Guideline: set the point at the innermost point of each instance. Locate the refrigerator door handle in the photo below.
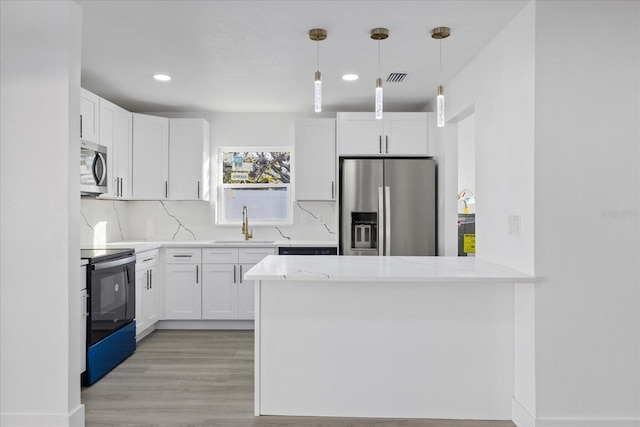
(381, 222)
(387, 221)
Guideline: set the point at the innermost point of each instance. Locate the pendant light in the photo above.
(439, 34)
(317, 35)
(379, 34)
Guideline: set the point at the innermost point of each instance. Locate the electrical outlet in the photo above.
(513, 225)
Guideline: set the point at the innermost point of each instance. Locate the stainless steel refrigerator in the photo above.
(388, 207)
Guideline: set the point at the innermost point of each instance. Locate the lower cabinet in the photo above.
(147, 290)
(225, 293)
(209, 283)
(183, 284)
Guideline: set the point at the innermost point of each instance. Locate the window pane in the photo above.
(267, 204)
(251, 167)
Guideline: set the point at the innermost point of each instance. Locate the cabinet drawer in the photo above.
(220, 255)
(254, 255)
(183, 255)
(147, 259)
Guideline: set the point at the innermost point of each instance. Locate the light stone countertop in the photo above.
(142, 246)
(371, 268)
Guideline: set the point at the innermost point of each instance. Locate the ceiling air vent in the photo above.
(396, 77)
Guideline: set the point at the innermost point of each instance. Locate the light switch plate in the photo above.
(513, 225)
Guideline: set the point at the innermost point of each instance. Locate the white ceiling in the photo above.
(256, 56)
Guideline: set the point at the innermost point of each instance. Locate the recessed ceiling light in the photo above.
(162, 77)
(350, 77)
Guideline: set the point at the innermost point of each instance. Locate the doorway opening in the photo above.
(466, 187)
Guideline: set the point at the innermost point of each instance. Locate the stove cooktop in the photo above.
(103, 254)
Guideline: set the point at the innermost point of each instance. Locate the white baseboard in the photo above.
(587, 422)
(206, 324)
(520, 415)
(75, 419)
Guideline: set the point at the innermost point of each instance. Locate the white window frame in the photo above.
(220, 186)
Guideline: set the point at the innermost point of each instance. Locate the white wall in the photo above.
(498, 87)
(587, 212)
(40, 274)
(153, 220)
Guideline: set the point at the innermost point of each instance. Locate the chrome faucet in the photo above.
(245, 224)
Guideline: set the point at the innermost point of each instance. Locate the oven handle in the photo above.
(114, 263)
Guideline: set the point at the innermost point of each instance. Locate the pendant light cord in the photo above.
(440, 44)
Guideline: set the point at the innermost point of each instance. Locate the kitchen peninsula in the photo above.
(402, 337)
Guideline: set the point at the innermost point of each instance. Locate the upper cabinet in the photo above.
(89, 116)
(170, 158)
(315, 159)
(150, 157)
(115, 134)
(189, 159)
(396, 134)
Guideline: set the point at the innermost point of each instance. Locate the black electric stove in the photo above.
(103, 254)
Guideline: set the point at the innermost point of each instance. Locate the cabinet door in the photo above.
(150, 157)
(123, 151)
(246, 295)
(182, 291)
(188, 159)
(141, 288)
(89, 116)
(219, 291)
(315, 159)
(107, 137)
(150, 301)
(115, 134)
(405, 134)
(359, 134)
(246, 288)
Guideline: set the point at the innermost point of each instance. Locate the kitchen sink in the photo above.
(243, 241)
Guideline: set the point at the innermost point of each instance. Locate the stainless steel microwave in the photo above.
(93, 168)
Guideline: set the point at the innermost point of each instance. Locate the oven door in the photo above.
(111, 297)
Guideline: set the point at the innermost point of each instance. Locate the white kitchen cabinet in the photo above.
(188, 159)
(219, 291)
(148, 285)
(225, 293)
(183, 283)
(396, 134)
(150, 157)
(116, 135)
(315, 159)
(89, 116)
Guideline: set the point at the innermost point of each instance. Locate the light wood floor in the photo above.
(202, 378)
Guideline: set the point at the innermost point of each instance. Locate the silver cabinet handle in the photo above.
(147, 259)
(241, 274)
(147, 273)
(80, 125)
(120, 186)
(234, 274)
(386, 140)
(333, 186)
(166, 189)
(182, 255)
(380, 142)
(197, 272)
(150, 279)
(198, 189)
